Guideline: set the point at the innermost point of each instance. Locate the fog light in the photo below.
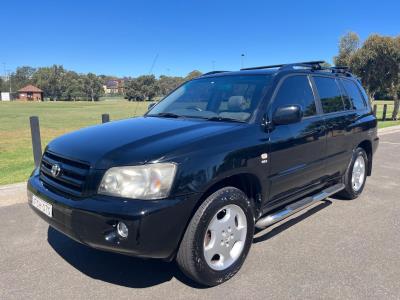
(122, 229)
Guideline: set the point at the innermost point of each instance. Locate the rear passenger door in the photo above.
(296, 150)
(338, 117)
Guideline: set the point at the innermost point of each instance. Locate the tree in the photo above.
(395, 89)
(22, 77)
(193, 74)
(377, 63)
(167, 84)
(72, 86)
(141, 88)
(92, 87)
(348, 45)
(50, 80)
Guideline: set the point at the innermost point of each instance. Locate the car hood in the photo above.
(134, 141)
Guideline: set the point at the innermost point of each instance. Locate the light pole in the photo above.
(9, 80)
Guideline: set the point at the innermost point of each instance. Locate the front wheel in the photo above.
(356, 175)
(218, 237)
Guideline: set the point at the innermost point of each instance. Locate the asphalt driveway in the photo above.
(336, 249)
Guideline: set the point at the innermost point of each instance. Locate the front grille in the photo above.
(72, 177)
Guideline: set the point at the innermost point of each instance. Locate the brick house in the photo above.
(30, 93)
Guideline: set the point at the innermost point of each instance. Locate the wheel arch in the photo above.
(247, 182)
(367, 146)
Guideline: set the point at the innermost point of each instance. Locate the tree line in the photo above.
(376, 62)
(58, 83)
(147, 87)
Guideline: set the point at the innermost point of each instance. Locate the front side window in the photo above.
(296, 90)
(354, 94)
(224, 97)
(330, 94)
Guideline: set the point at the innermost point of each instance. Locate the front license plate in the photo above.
(42, 205)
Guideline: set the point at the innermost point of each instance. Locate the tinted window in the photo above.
(296, 90)
(354, 94)
(229, 97)
(329, 94)
(348, 105)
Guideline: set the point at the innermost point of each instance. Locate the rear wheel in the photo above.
(356, 175)
(218, 238)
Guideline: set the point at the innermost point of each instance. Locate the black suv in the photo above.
(221, 155)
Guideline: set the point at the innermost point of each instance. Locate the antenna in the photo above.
(153, 64)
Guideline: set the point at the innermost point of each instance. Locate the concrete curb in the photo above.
(12, 194)
(13, 186)
(390, 129)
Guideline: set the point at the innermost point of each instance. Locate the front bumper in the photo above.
(155, 227)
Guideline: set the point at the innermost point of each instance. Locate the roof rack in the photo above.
(315, 65)
(339, 70)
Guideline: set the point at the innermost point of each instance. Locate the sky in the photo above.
(131, 38)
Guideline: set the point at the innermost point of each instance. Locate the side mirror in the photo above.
(151, 105)
(287, 115)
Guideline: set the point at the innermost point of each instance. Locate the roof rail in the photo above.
(262, 67)
(212, 72)
(309, 64)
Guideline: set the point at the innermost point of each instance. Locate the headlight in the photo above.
(152, 181)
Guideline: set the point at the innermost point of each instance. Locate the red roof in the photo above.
(30, 88)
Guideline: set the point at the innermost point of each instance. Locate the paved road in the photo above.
(336, 249)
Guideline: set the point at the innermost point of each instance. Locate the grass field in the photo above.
(56, 118)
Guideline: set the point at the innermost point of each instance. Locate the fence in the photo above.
(384, 112)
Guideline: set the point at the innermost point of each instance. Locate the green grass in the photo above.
(379, 113)
(56, 118)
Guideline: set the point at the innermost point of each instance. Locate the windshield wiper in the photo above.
(166, 115)
(219, 118)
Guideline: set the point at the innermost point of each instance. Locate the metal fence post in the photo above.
(36, 142)
(375, 107)
(384, 112)
(105, 118)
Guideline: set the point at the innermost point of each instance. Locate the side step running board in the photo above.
(297, 206)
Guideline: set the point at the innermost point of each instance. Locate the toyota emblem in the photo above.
(55, 170)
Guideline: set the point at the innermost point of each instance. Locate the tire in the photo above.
(351, 190)
(205, 235)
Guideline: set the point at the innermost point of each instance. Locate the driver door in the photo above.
(297, 150)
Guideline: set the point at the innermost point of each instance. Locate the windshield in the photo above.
(226, 98)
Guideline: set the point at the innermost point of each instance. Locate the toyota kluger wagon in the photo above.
(221, 155)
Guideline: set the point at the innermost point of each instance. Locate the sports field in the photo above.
(56, 118)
